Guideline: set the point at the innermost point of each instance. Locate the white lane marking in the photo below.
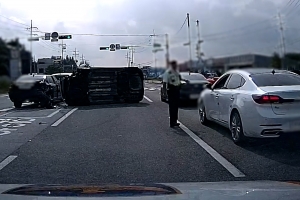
(6, 114)
(225, 163)
(148, 99)
(6, 109)
(49, 116)
(6, 161)
(64, 117)
(54, 113)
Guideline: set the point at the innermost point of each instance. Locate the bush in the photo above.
(4, 84)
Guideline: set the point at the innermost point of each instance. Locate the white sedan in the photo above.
(260, 103)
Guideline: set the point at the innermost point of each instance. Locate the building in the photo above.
(15, 62)
(43, 64)
(196, 66)
(222, 64)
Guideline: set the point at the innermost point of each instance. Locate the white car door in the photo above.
(228, 96)
(212, 98)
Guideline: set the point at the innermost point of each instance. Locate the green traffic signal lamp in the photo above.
(65, 37)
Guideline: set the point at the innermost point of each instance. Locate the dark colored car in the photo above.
(40, 89)
(192, 85)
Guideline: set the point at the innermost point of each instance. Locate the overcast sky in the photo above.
(228, 27)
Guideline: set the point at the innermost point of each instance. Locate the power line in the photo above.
(47, 47)
(51, 47)
(243, 27)
(182, 26)
(239, 34)
(105, 35)
(14, 21)
(293, 10)
(287, 5)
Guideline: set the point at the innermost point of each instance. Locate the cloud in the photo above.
(227, 26)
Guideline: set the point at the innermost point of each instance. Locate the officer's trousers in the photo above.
(173, 97)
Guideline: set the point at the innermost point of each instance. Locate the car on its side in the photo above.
(40, 89)
(260, 103)
(192, 85)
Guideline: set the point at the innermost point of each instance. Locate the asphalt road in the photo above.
(132, 143)
(5, 102)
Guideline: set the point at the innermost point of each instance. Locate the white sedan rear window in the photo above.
(279, 79)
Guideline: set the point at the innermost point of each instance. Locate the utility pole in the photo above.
(167, 51)
(75, 55)
(154, 55)
(132, 51)
(82, 58)
(282, 42)
(63, 46)
(31, 47)
(128, 59)
(189, 33)
(31, 27)
(198, 48)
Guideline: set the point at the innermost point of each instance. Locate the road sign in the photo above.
(54, 40)
(65, 37)
(156, 50)
(118, 46)
(34, 39)
(54, 35)
(47, 36)
(112, 47)
(104, 48)
(156, 45)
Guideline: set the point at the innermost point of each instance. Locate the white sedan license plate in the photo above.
(194, 96)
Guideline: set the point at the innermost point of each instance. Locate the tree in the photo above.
(4, 58)
(67, 58)
(276, 61)
(53, 69)
(293, 56)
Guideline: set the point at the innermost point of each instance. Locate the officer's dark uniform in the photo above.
(172, 79)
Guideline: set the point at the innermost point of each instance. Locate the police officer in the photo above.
(171, 84)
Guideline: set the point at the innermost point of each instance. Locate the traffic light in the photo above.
(104, 48)
(124, 47)
(118, 46)
(62, 37)
(112, 47)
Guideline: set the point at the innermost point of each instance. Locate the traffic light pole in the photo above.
(31, 47)
(62, 55)
(132, 56)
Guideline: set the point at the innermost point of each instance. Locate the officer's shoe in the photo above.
(174, 125)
